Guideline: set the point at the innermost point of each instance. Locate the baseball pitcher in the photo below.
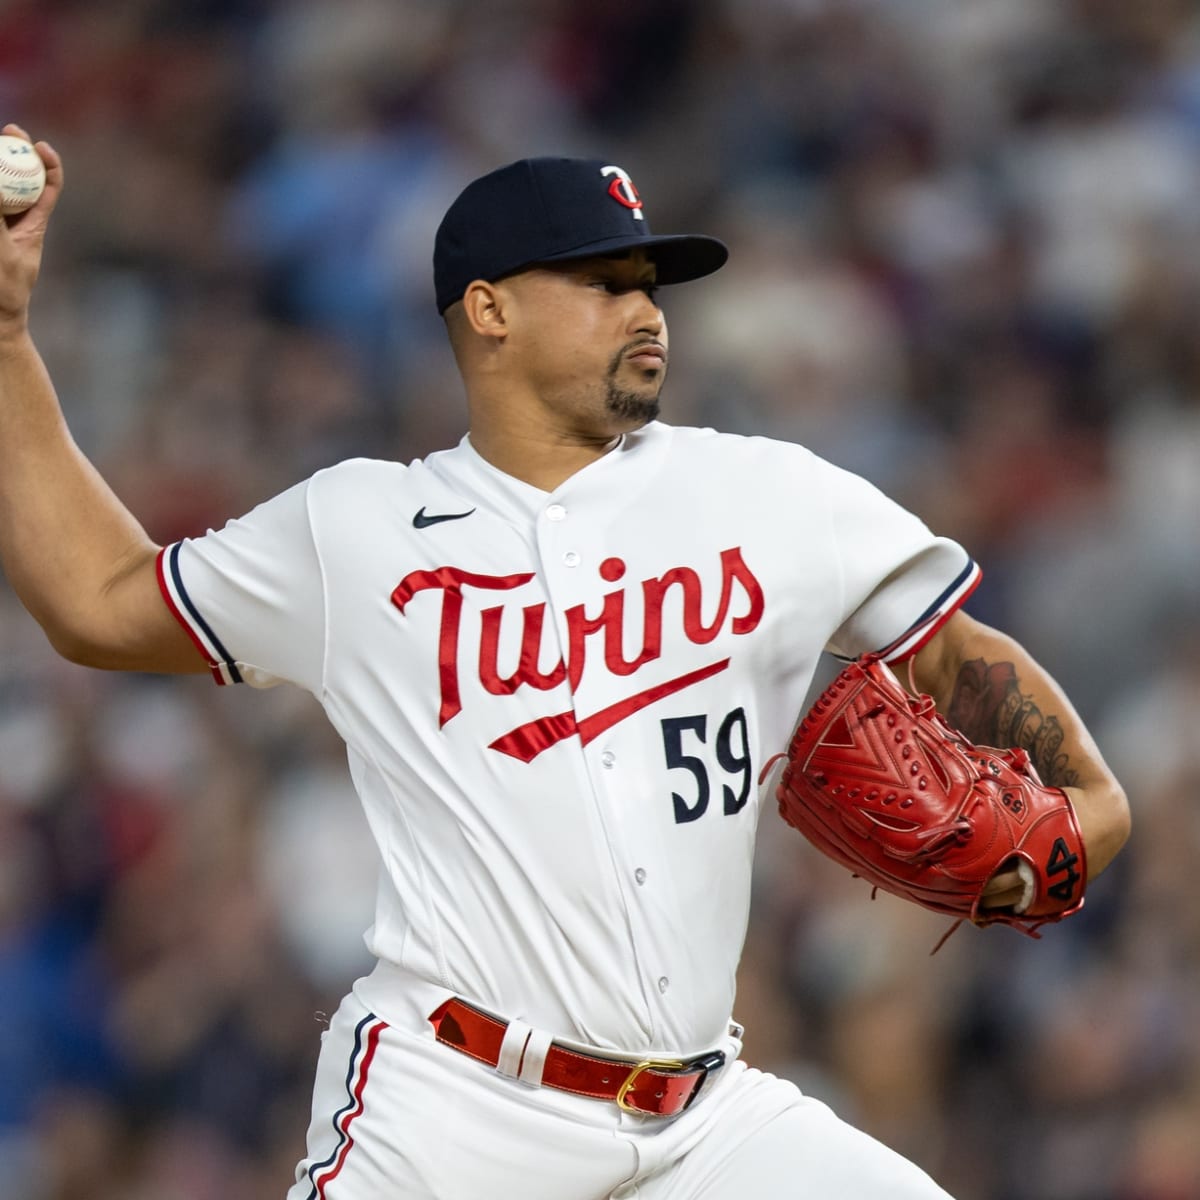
(562, 655)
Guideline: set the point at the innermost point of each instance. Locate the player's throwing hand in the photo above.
(21, 240)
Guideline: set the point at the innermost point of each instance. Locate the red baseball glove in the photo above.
(880, 782)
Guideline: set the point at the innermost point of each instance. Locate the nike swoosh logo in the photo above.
(421, 521)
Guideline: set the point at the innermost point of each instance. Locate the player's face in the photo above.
(593, 341)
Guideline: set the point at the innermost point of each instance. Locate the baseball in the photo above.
(22, 175)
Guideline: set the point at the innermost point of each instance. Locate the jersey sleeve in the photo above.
(251, 595)
(900, 582)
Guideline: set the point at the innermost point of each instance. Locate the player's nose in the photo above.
(646, 316)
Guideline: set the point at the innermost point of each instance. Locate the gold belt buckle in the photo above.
(649, 1064)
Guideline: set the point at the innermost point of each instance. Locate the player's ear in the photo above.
(484, 309)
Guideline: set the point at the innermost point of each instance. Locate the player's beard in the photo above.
(630, 407)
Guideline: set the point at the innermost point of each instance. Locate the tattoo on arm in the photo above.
(988, 706)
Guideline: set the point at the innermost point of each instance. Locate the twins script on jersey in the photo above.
(603, 632)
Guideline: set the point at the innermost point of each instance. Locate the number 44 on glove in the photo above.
(878, 781)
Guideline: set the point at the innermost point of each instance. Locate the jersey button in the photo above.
(640, 876)
(571, 558)
(555, 512)
(663, 983)
(607, 759)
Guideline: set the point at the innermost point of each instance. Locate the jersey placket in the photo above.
(564, 536)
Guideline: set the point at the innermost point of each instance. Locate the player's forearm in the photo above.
(65, 538)
(989, 687)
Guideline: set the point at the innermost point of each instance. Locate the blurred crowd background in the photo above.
(966, 263)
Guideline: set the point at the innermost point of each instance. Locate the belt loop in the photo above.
(736, 1033)
(535, 1057)
(512, 1048)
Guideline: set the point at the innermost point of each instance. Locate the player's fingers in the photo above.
(14, 130)
(1004, 889)
(54, 167)
(35, 218)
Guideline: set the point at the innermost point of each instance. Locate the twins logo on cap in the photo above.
(621, 189)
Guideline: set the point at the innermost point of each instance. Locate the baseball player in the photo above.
(560, 655)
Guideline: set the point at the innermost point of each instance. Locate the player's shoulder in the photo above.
(771, 470)
(376, 488)
(731, 450)
(358, 473)
(358, 483)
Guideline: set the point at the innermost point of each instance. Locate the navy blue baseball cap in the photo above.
(542, 210)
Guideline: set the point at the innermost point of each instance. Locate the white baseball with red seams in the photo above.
(22, 175)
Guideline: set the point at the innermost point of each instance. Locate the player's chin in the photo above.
(631, 409)
(644, 383)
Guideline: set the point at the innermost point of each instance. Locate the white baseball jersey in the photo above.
(557, 705)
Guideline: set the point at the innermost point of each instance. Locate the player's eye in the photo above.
(616, 287)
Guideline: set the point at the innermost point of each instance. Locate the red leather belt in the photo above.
(659, 1087)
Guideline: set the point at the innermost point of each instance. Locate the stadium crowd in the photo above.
(966, 263)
